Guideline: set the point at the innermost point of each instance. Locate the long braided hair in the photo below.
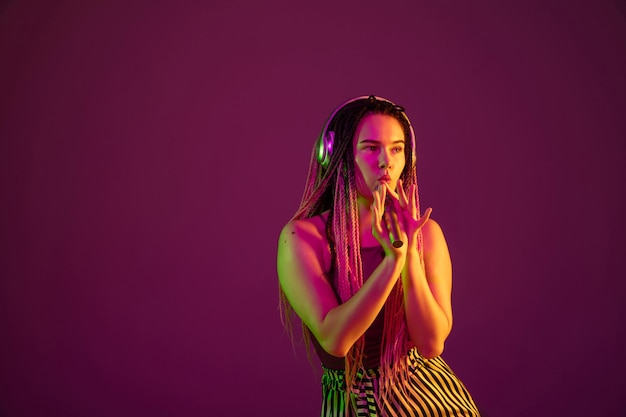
(331, 187)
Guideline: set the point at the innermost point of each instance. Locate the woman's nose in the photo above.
(384, 160)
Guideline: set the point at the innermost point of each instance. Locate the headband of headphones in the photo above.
(327, 138)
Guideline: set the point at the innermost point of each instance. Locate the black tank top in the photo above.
(371, 257)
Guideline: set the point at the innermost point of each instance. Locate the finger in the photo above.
(390, 226)
(376, 219)
(378, 210)
(391, 192)
(377, 206)
(382, 223)
(424, 218)
(376, 195)
(404, 201)
(393, 199)
(379, 198)
(427, 213)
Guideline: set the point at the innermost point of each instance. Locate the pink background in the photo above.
(150, 152)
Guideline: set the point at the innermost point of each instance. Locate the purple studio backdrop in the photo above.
(150, 153)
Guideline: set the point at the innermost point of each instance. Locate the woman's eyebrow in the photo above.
(374, 141)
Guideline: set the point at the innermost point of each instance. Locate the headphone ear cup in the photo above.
(325, 149)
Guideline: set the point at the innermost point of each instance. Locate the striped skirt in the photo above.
(433, 391)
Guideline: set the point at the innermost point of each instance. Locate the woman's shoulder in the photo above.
(311, 230)
(434, 240)
(305, 240)
(431, 229)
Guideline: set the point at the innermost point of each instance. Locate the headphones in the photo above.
(327, 138)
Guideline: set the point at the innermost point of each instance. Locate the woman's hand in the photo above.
(387, 227)
(404, 207)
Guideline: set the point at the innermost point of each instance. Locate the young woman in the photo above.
(368, 276)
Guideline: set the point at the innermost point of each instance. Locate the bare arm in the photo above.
(303, 280)
(427, 293)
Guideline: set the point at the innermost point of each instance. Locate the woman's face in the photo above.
(378, 153)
